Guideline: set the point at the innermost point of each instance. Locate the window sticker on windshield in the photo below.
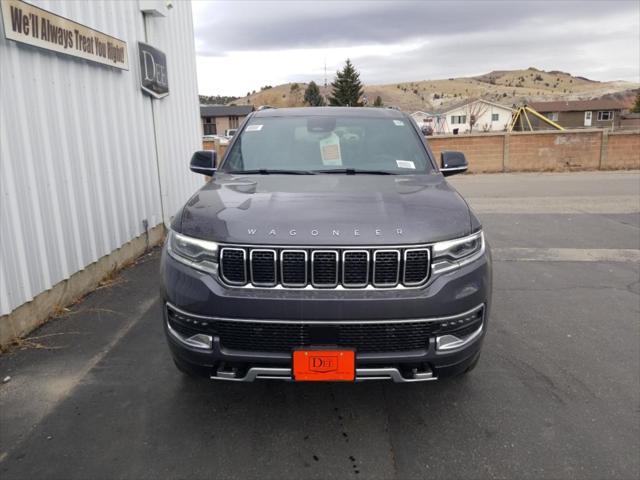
(398, 123)
(406, 164)
(330, 150)
(253, 128)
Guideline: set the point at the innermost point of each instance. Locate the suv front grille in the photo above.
(323, 268)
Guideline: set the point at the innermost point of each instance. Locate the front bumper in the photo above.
(446, 297)
(445, 354)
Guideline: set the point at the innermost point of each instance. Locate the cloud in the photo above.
(242, 45)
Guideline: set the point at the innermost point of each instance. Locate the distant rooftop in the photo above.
(225, 110)
(469, 101)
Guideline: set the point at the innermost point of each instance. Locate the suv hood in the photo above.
(334, 209)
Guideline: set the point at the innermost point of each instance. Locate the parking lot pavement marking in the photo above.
(566, 255)
(609, 204)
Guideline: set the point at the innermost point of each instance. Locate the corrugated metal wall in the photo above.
(78, 166)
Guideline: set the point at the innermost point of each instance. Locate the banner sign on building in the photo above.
(153, 71)
(26, 23)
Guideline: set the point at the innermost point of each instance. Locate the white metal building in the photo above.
(88, 161)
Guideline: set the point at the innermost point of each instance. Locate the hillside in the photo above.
(501, 86)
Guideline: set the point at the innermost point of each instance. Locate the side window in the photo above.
(604, 116)
(495, 117)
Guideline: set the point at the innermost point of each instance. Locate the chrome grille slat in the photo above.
(263, 267)
(343, 267)
(233, 267)
(386, 268)
(324, 268)
(416, 266)
(293, 268)
(355, 268)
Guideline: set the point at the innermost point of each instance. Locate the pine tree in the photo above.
(346, 88)
(636, 106)
(378, 102)
(312, 95)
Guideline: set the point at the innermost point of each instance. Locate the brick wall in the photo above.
(215, 145)
(622, 151)
(554, 151)
(484, 152)
(544, 151)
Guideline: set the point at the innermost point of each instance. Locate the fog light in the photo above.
(451, 342)
(448, 342)
(200, 340)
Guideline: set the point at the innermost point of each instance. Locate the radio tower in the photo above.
(325, 72)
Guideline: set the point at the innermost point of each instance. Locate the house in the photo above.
(596, 113)
(218, 118)
(630, 120)
(421, 117)
(475, 116)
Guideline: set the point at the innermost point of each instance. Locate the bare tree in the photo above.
(474, 111)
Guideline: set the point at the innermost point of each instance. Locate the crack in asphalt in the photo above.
(387, 428)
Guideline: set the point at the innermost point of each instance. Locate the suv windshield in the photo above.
(327, 144)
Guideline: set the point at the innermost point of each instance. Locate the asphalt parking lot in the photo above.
(94, 394)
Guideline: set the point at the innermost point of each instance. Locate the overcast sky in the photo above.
(242, 45)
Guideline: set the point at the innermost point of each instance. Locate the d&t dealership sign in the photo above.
(26, 23)
(153, 71)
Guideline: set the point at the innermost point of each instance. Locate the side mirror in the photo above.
(452, 163)
(204, 162)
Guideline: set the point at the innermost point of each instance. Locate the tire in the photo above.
(189, 370)
(471, 366)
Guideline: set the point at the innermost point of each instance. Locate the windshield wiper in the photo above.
(354, 171)
(266, 171)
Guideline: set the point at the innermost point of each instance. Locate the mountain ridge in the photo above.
(507, 87)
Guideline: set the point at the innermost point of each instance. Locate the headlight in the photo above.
(197, 253)
(456, 253)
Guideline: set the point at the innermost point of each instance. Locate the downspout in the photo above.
(155, 132)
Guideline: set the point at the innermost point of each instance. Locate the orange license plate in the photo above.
(324, 365)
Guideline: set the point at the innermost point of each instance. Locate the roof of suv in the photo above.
(330, 112)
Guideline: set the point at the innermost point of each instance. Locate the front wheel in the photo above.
(189, 370)
(471, 366)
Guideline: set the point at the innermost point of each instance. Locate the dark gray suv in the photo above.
(328, 246)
